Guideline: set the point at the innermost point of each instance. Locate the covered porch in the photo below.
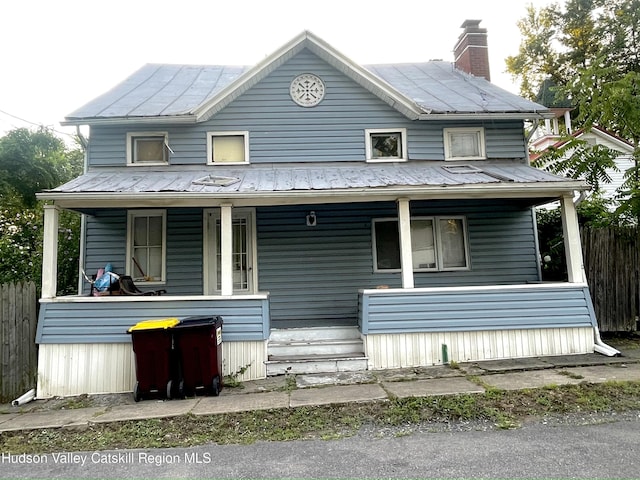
(404, 317)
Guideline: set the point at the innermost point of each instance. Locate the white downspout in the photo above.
(601, 347)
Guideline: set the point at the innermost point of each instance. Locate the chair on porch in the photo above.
(103, 282)
(128, 287)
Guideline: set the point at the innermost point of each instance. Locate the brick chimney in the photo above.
(471, 52)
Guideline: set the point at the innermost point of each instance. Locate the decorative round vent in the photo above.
(307, 90)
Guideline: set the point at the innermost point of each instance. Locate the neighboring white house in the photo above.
(550, 137)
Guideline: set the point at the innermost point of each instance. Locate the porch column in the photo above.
(50, 251)
(572, 246)
(406, 255)
(226, 249)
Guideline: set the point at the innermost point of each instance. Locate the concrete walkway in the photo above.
(324, 389)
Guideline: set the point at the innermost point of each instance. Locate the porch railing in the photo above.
(557, 305)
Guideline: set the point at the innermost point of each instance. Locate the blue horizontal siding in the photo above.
(281, 131)
(473, 310)
(316, 272)
(106, 243)
(104, 321)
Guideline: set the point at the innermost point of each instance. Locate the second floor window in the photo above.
(386, 145)
(227, 147)
(147, 148)
(464, 144)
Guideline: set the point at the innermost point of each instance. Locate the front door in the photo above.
(243, 259)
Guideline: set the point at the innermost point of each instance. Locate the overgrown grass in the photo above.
(505, 409)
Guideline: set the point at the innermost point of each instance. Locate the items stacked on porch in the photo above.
(175, 358)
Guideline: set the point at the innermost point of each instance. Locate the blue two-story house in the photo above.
(337, 217)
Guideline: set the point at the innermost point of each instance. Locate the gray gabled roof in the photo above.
(308, 183)
(161, 90)
(193, 93)
(439, 87)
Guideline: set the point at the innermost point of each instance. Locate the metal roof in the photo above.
(439, 87)
(194, 92)
(294, 179)
(161, 90)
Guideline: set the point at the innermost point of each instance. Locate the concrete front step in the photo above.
(313, 334)
(316, 364)
(315, 350)
(321, 347)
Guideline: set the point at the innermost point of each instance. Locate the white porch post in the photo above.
(226, 249)
(50, 252)
(572, 246)
(406, 256)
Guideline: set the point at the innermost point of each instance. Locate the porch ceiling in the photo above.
(273, 184)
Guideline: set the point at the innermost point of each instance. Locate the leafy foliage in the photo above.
(577, 159)
(590, 51)
(31, 161)
(592, 212)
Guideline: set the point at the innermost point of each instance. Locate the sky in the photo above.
(57, 55)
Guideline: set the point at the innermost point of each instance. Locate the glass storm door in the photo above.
(242, 251)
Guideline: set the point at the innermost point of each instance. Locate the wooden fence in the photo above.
(612, 266)
(18, 354)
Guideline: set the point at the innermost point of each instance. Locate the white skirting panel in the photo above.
(249, 355)
(74, 369)
(425, 349)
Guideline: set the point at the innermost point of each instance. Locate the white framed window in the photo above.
(464, 143)
(437, 244)
(146, 245)
(243, 251)
(227, 148)
(147, 148)
(384, 145)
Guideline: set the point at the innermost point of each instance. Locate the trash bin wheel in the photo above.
(136, 393)
(181, 389)
(215, 386)
(169, 388)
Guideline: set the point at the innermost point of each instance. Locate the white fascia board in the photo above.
(486, 115)
(323, 50)
(249, 78)
(158, 120)
(383, 90)
(246, 199)
(596, 132)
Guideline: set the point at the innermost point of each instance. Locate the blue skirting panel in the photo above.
(106, 320)
(385, 311)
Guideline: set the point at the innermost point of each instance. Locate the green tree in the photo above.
(31, 161)
(590, 50)
(537, 59)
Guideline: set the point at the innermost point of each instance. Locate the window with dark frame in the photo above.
(437, 244)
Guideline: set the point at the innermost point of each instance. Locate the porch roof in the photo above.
(308, 183)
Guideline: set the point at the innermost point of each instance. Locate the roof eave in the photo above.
(162, 119)
(194, 199)
(487, 115)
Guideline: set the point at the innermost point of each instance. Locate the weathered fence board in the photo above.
(612, 266)
(18, 353)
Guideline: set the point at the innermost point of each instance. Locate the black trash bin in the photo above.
(156, 363)
(198, 342)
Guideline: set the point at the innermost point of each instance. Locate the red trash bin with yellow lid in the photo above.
(155, 356)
